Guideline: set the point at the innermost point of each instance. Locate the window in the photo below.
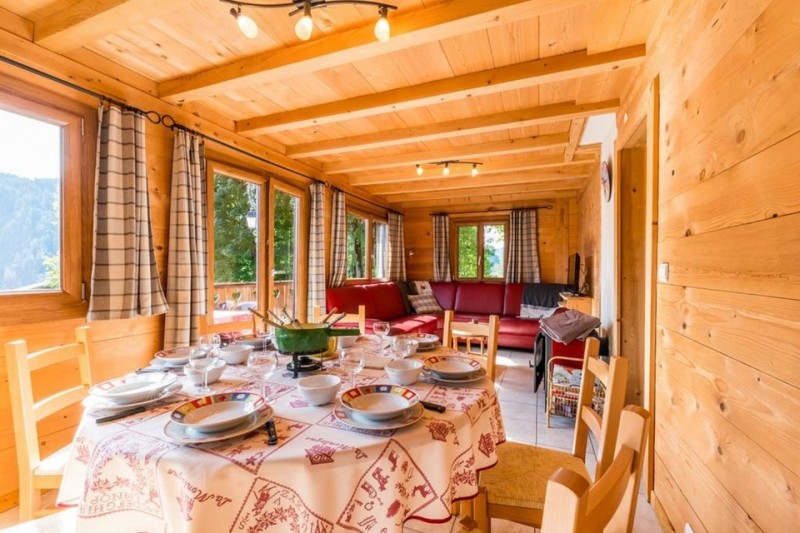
(287, 286)
(41, 165)
(480, 250)
(367, 247)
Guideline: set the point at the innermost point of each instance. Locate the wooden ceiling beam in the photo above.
(493, 202)
(514, 146)
(466, 126)
(523, 163)
(409, 29)
(476, 192)
(510, 77)
(482, 180)
(86, 21)
(575, 133)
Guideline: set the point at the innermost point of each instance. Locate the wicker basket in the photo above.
(562, 399)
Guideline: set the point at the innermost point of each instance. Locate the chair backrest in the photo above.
(350, 318)
(25, 411)
(573, 504)
(460, 329)
(613, 375)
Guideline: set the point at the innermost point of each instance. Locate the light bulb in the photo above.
(474, 169)
(382, 30)
(304, 27)
(247, 26)
(446, 169)
(419, 170)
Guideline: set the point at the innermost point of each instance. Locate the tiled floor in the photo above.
(523, 413)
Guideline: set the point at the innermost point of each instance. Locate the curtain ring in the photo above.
(168, 121)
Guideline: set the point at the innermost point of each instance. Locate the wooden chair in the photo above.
(359, 318)
(514, 489)
(36, 474)
(454, 330)
(572, 504)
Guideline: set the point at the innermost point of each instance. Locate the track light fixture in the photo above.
(446, 166)
(305, 26)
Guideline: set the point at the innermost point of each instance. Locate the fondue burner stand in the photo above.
(302, 363)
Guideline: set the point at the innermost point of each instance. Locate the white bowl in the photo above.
(319, 390)
(235, 354)
(346, 341)
(404, 371)
(195, 377)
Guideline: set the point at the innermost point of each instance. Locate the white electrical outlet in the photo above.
(663, 272)
(687, 528)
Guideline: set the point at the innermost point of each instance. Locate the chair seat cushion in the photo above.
(54, 464)
(520, 477)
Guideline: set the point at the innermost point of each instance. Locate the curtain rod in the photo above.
(169, 121)
(489, 211)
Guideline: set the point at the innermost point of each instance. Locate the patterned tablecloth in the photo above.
(322, 476)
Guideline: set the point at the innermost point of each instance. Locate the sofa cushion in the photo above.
(445, 292)
(484, 298)
(425, 303)
(512, 300)
(347, 299)
(384, 301)
(413, 324)
(519, 326)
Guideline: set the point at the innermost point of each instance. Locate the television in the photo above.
(574, 273)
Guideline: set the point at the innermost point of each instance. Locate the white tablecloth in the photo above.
(322, 476)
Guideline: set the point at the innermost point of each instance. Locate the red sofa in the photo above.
(384, 301)
(479, 300)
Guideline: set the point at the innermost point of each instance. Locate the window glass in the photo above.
(380, 239)
(30, 204)
(286, 213)
(494, 250)
(236, 233)
(467, 252)
(356, 247)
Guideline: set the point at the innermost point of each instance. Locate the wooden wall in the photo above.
(727, 421)
(589, 238)
(558, 237)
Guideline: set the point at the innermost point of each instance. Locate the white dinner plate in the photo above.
(217, 412)
(472, 378)
(174, 356)
(97, 403)
(379, 402)
(451, 366)
(185, 435)
(133, 388)
(408, 417)
(428, 347)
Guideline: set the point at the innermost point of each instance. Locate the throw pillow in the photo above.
(423, 287)
(425, 303)
(533, 311)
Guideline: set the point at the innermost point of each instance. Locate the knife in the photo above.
(433, 406)
(271, 432)
(147, 370)
(121, 414)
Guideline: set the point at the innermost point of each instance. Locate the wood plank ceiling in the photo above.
(508, 83)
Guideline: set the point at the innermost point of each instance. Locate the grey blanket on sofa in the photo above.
(543, 294)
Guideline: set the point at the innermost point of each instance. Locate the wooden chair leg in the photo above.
(481, 511)
(29, 501)
(467, 508)
(455, 508)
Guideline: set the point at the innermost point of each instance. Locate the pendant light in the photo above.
(247, 26)
(419, 170)
(446, 170)
(474, 171)
(305, 25)
(382, 30)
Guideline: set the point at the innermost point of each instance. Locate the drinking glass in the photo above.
(261, 366)
(202, 359)
(401, 347)
(352, 360)
(381, 329)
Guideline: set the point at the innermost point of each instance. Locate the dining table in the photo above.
(322, 475)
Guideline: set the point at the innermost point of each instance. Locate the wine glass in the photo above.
(401, 347)
(262, 365)
(352, 360)
(381, 329)
(202, 359)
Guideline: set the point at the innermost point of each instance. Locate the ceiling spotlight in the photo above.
(382, 30)
(305, 25)
(246, 25)
(474, 171)
(446, 170)
(419, 170)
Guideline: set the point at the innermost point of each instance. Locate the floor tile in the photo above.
(517, 411)
(560, 438)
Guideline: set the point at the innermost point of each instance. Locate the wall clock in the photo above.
(605, 179)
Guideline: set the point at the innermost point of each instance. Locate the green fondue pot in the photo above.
(310, 339)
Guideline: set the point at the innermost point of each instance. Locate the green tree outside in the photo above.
(235, 244)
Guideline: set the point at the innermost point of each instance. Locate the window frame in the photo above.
(371, 219)
(480, 223)
(78, 153)
(301, 257)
